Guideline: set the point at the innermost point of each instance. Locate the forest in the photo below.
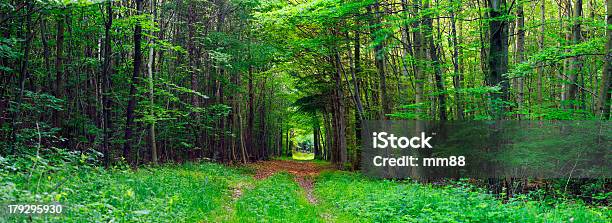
(117, 109)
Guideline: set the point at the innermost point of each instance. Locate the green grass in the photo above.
(206, 192)
(360, 199)
(276, 199)
(185, 193)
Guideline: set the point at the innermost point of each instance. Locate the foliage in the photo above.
(241, 80)
(276, 199)
(193, 192)
(370, 200)
(175, 193)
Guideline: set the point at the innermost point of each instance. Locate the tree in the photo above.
(520, 53)
(106, 84)
(259, 59)
(457, 72)
(339, 112)
(606, 83)
(127, 147)
(498, 55)
(59, 68)
(540, 69)
(150, 66)
(575, 62)
(379, 58)
(418, 56)
(251, 114)
(433, 55)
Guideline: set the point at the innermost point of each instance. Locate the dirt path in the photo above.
(303, 172)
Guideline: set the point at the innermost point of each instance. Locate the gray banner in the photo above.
(486, 149)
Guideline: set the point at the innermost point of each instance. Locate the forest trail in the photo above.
(303, 173)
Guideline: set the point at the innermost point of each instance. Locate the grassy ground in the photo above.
(276, 199)
(215, 193)
(360, 199)
(185, 193)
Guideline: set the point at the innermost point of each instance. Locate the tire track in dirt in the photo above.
(303, 173)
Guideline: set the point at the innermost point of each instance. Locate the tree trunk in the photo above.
(46, 52)
(152, 101)
(243, 150)
(540, 69)
(606, 83)
(288, 147)
(328, 144)
(484, 36)
(316, 137)
(251, 114)
(127, 147)
(355, 74)
(418, 55)
(433, 55)
(457, 73)
(221, 75)
(263, 150)
(23, 69)
(575, 62)
(193, 56)
(498, 55)
(106, 85)
(59, 69)
(341, 155)
(152, 96)
(379, 61)
(520, 53)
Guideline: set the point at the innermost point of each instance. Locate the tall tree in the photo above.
(127, 147)
(339, 113)
(193, 66)
(23, 69)
(520, 53)
(59, 68)
(150, 66)
(433, 55)
(106, 84)
(379, 61)
(576, 61)
(540, 69)
(498, 55)
(251, 114)
(606, 82)
(418, 57)
(355, 74)
(457, 72)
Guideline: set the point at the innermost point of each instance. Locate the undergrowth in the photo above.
(368, 200)
(208, 192)
(169, 193)
(276, 199)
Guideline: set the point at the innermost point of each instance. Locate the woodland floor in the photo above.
(278, 190)
(303, 173)
(324, 194)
